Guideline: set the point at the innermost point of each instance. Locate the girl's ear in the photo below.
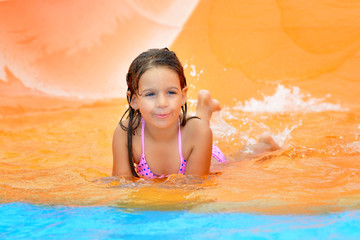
(184, 94)
(133, 100)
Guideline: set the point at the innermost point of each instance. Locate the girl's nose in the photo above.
(162, 100)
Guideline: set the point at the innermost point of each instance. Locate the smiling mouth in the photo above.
(162, 115)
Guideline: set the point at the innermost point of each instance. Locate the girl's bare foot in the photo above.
(266, 144)
(206, 105)
(269, 141)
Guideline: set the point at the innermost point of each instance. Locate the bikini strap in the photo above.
(180, 145)
(143, 135)
(143, 138)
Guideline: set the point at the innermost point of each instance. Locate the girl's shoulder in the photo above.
(119, 134)
(195, 128)
(121, 128)
(197, 144)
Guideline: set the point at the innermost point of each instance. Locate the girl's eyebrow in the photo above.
(174, 87)
(154, 89)
(149, 90)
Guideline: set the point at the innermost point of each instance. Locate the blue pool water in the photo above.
(26, 221)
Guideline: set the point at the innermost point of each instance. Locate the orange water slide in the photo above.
(78, 49)
(246, 47)
(237, 49)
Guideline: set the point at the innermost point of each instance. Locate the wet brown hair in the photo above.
(152, 58)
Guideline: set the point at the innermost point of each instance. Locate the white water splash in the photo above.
(288, 100)
(252, 132)
(285, 135)
(353, 147)
(221, 129)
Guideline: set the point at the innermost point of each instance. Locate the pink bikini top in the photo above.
(143, 169)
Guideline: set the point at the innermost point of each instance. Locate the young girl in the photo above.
(158, 138)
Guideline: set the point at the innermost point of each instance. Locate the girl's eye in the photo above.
(171, 92)
(150, 94)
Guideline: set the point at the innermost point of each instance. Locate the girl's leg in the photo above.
(206, 106)
(266, 144)
(204, 110)
(269, 142)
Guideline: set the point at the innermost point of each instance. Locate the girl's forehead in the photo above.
(157, 76)
(160, 70)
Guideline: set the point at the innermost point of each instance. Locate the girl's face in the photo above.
(160, 97)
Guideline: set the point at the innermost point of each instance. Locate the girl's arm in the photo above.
(198, 163)
(121, 166)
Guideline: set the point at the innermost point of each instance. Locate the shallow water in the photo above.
(64, 157)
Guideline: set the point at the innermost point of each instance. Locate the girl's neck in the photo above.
(161, 134)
